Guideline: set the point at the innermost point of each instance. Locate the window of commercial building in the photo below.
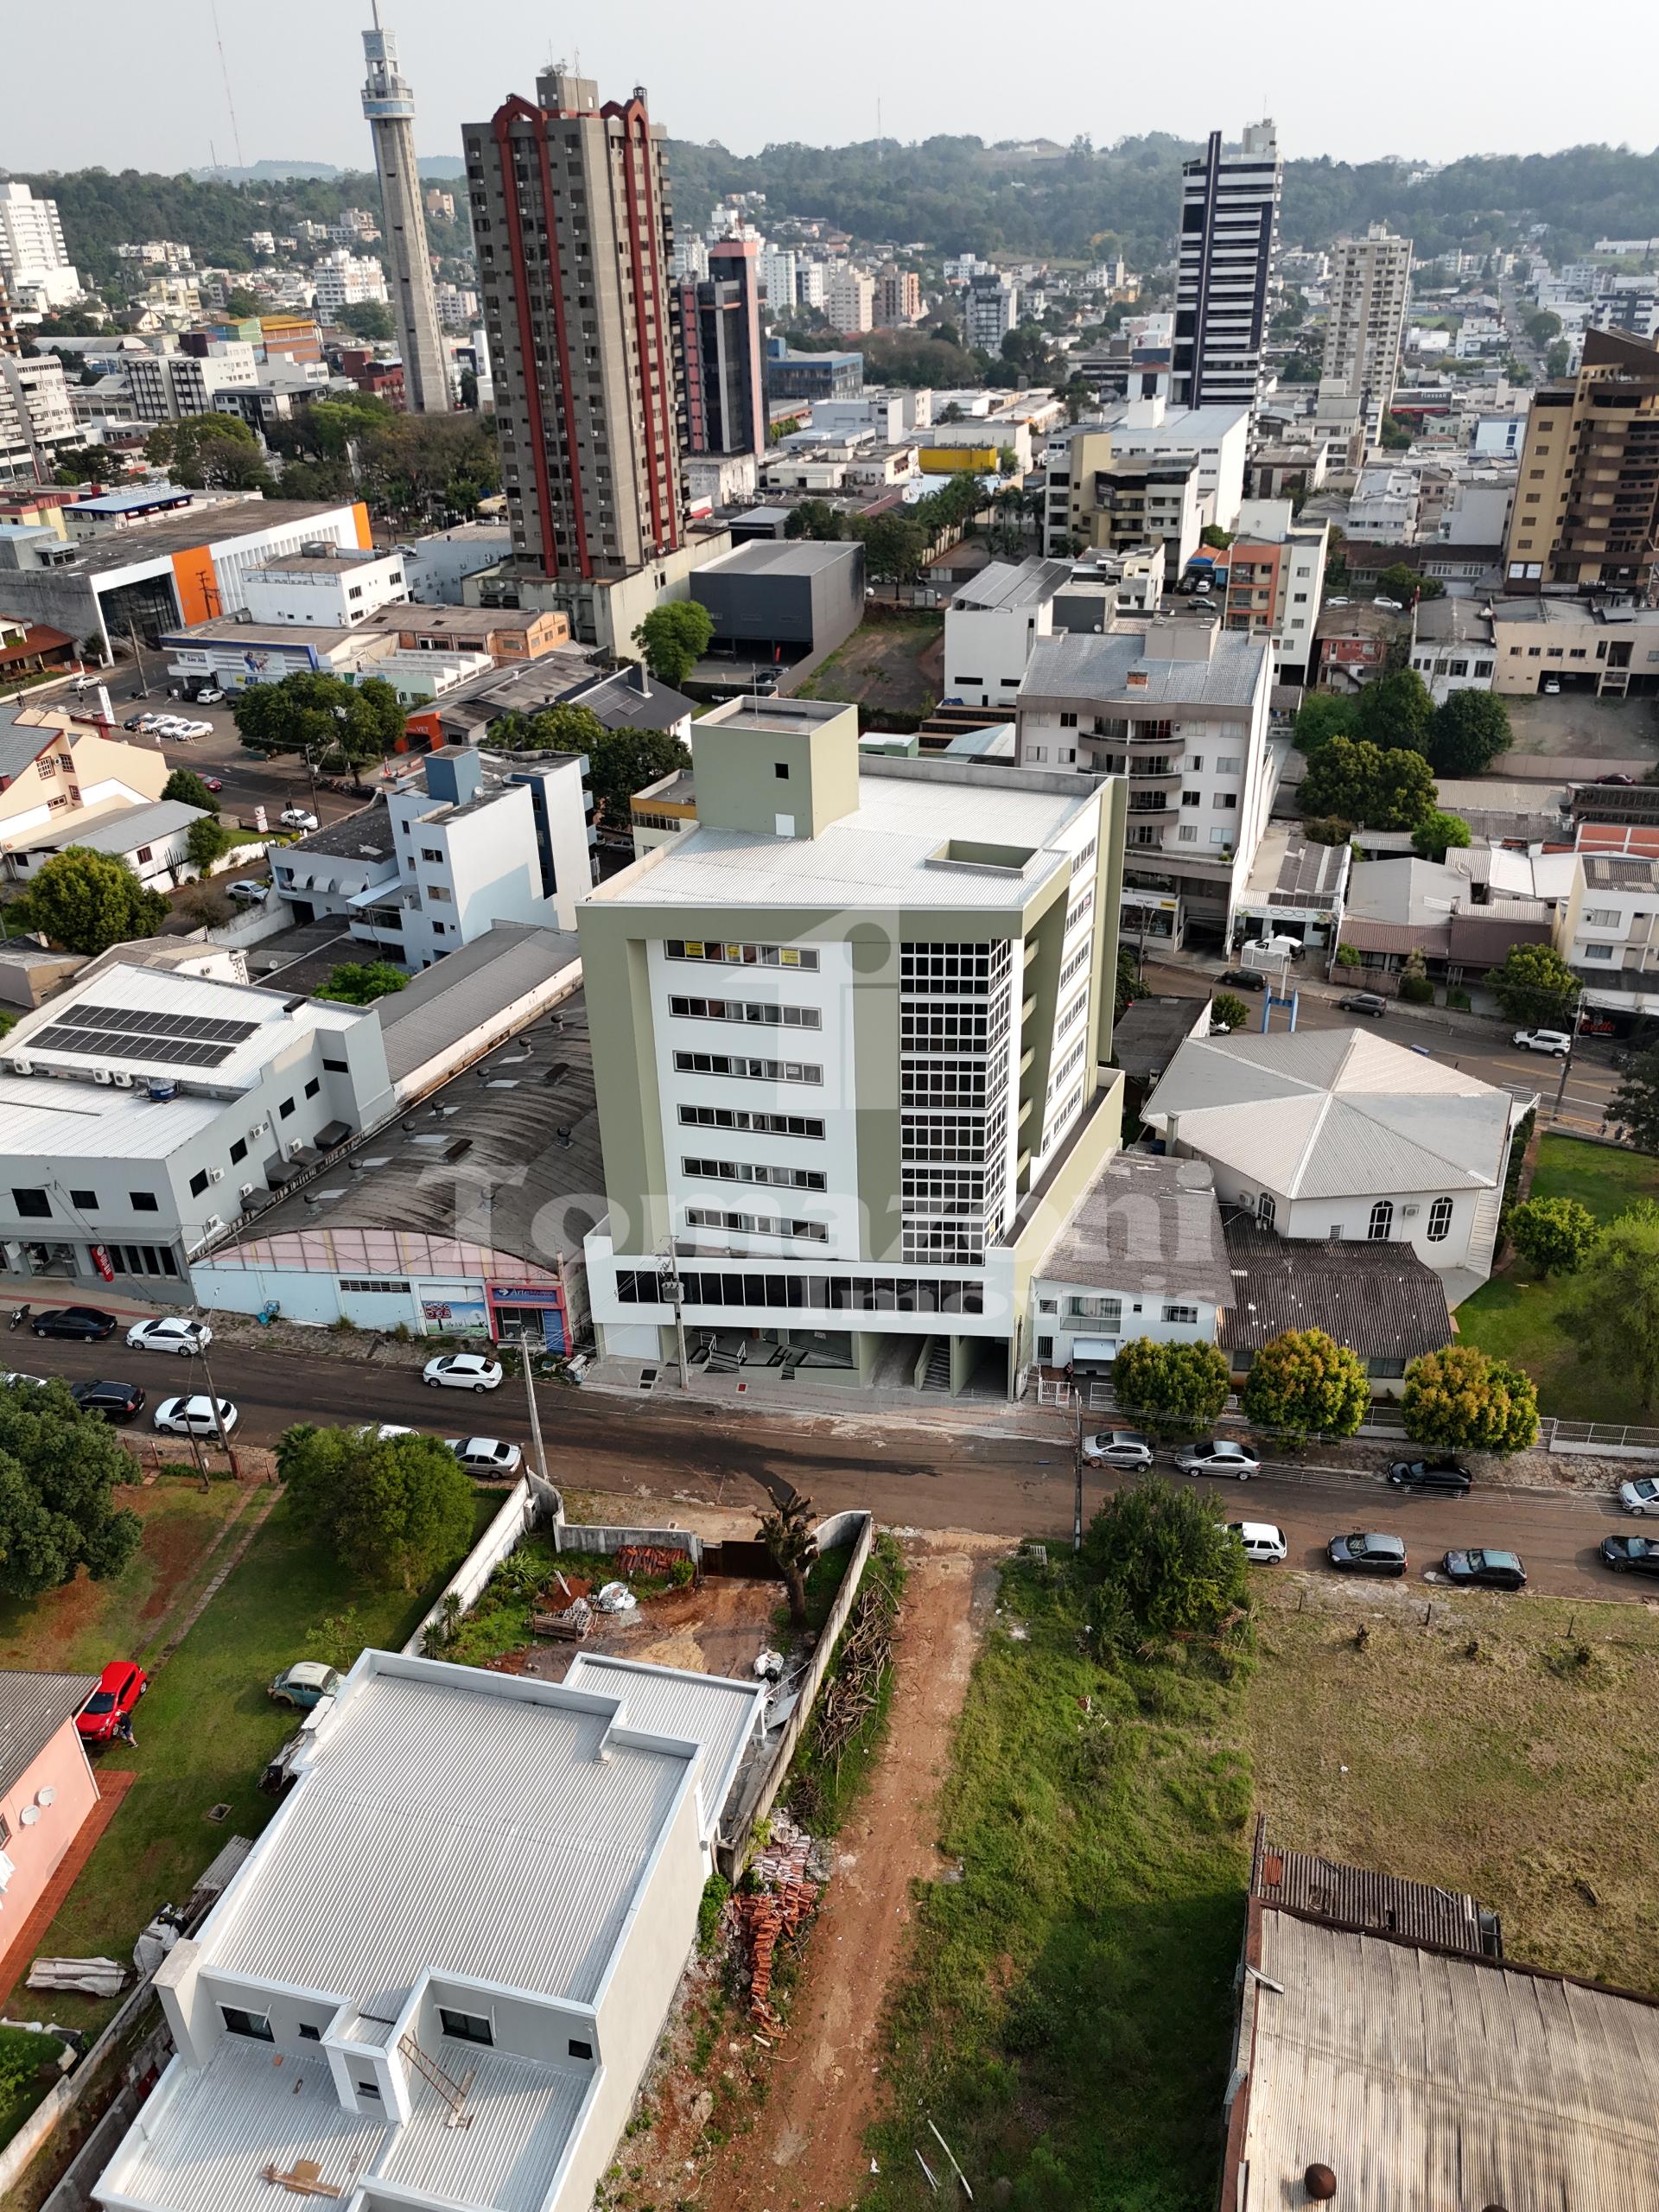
(313, 1087)
(742, 1066)
(237, 2022)
(762, 1013)
(742, 956)
(1439, 1221)
(143, 1202)
(1382, 1222)
(238, 1150)
(33, 1205)
(465, 2027)
(744, 1171)
(86, 1200)
(860, 1293)
(285, 1109)
(1185, 1316)
(199, 1183)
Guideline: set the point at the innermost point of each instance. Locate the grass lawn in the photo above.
(76, 1629)
(1515, 1772)
(205, 1732)
(1068, 2018)
(1513, 1316)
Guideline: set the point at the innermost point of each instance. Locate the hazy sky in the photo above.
(137, 83)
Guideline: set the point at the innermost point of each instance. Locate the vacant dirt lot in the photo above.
(1577, 723)
(899, 665)
(735, 2121)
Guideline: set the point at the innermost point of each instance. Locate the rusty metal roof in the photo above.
(1360, 1898)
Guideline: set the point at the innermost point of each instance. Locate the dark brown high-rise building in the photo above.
(575, 232)
(1586, 505)
(719, 327)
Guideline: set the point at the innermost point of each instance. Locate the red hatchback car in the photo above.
(119, 1688)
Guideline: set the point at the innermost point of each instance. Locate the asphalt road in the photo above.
(669, 1449)
(1592, 1077)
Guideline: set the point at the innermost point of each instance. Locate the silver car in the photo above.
(1641, 1495)
(1213, 1455)
(1117, 1448)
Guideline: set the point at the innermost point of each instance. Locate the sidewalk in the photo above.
(930, 1410)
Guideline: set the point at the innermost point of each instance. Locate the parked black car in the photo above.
(1630, 1554)
(1449, 1476)
(115, 1401)
(1363, 1553)
(1493, 1570)
(74, 1321)
(1241, 979)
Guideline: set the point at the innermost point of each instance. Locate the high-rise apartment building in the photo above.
(34, 262)
(719, 330)
(849, 300)
(777, 267)
(389, 106)
(897, 298)
(850, 1038)
(8, 334)
(344, 279)
(575, 237)
(1230, 229)
(1586, 500)
(36, 420)
(990, 309)
(1370, 301)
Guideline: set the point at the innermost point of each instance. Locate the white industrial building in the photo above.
(991, 627)
(324, 586)
(437, 1981)
(145, 1107)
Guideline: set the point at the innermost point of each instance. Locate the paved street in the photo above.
(1484, 1051)
(668, 1449)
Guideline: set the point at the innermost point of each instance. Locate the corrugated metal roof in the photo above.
(521, 2113)
(715, 1710)
(446, 1002)
(1366, 1903)
(83, 1121)
(1351, 1113)
(1380, 1300)
(443, 1827)
(1436, 2084)
(33, 1707)
(118, 829)
(1079, 664)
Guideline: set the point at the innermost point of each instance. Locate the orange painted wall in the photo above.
(198, 587)
(365, 534)
(34, 1851)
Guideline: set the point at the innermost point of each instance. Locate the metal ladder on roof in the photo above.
(454, 2093)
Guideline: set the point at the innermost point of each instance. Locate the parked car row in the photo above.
(1128, 1449)
(164, 726)
(1372, 1551)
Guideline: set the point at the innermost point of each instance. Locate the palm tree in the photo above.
(786, 1532)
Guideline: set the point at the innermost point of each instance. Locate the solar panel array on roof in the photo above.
(123, 1033)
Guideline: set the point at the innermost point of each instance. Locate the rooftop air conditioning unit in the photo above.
(246, 1190)
(121, 1079)
(102, 1075)
(294, 1150)
(215, 1175)
(259, 1129)
(23, 1067)
(212, 1223)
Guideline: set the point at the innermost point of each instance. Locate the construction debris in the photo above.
(92, 1977)
(616, 1598)
(303, 2178)
(854, 1689)
(778, 1897)
(649, 1559)
(569, 1625)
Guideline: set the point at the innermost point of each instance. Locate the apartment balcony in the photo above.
(1158, 770)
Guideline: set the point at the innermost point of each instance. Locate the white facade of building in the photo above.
(990, 309)
(992, 625)
(331, 590)
(1368, 297)
(165, 387)
(34, 264)
(37, 418)
(344, 279)
(849, 300)
(1230, 235)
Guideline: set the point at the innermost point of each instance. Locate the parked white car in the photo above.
(299, 817)
(195, 730)
(381, 1431)
(209, 696)
(248, 892)
(1263, 1541)
(1641, 1495)
(485, 1455)
(174, 1332)
(9, 1381)
(461, 1370)
(1555, 1041)
(195, 1416)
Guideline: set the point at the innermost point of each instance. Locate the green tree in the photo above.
(1128, 982)
(1341, 780)
(1225, 1008)
(309, 712)
(1399, 581)
(89, 901)
(1556, 360)
(554, 729)
(216, 452)
(1634, 1108)
(1396, 434)
(1552, 1235)
(360, 982)
(1611, 1311)
(673, 638)
(1171, 1389)
(207, 842)
(185, 785)
(368, 319)
(1543, 327)
(1324, 715)
(1459, 1400)
(1534, 986)
(1414, 986)
(396, 1509)
(1403, 790)
(894, 546)
(1470, 729)
(1327, 829)
(1395, 709)
(81, 464)
(814, 518)
(58, 1470)
(1213, 534)
(239, 305)
(1163, 1563)
(1303, 1383)
(623, 762)
(1439, 833)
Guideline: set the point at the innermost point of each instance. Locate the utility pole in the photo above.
(537, 1445)
(674, 1290)
(1076, 1453)
(1566, 1057)
(225, 1444)
(138, 663)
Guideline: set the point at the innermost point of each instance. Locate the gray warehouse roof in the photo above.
(33, 1707)
(443, 1003)
(1146, 1223)
(798, 556)
(117, 830)
(365, 835)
